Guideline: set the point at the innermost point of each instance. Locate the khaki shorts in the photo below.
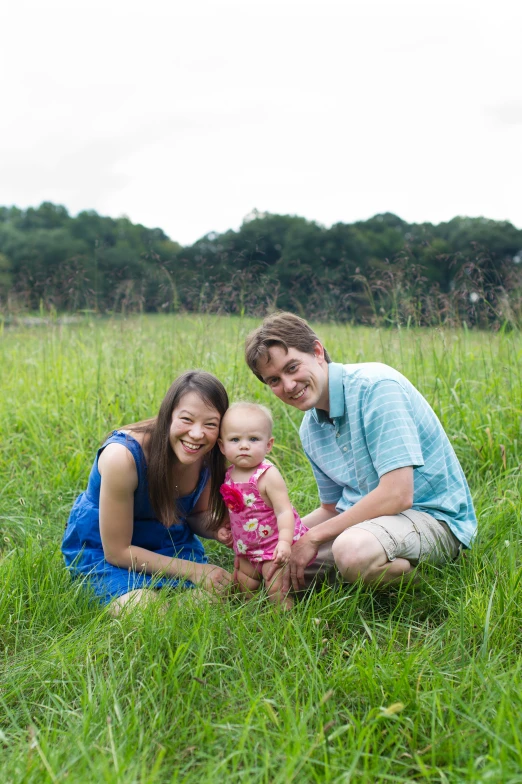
(414, 535)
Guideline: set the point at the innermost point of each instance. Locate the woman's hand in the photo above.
(212, 578)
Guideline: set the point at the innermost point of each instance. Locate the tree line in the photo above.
(382, 270)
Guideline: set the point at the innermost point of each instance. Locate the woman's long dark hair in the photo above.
(161, 460)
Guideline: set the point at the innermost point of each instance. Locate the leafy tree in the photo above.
(379, 270)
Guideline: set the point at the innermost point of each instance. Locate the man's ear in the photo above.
(318, 351)
(270, 444)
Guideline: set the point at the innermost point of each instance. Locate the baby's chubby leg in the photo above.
(274, 583)
(247, 577)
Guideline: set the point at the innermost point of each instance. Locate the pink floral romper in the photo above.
(253, 523)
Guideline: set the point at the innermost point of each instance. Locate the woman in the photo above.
(153, 485)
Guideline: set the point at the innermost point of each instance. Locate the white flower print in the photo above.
(251, 525)
(265, 530)
(241, 546)
(249, 499)
(296, 537)
(257, 555)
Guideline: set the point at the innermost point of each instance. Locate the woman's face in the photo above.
(194, 428)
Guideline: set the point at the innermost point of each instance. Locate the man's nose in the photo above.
(288, 384)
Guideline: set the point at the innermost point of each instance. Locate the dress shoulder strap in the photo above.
(134, 447)
(260, 470)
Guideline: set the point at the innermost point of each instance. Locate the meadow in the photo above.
(411, 684)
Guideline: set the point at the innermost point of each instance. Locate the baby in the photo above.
(263, 522)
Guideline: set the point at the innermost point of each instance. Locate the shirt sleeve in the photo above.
(329, 491)
(391, 432)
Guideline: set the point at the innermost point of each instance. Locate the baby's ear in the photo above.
(269, 445)
(220, 445)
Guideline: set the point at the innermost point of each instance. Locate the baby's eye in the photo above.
(254, 438)
(234, 440)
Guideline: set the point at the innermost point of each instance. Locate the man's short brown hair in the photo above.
(279, 329)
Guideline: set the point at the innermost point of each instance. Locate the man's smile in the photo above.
(300, 394)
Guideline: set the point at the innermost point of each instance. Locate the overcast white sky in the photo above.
(187, 114)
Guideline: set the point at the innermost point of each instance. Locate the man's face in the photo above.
(299, 379)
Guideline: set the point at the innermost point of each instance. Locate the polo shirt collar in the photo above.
(336, 395)
(336, 390)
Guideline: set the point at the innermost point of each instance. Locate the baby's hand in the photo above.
(282, 553)
(224, 535)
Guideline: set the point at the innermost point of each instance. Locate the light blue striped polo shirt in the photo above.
(379, 422)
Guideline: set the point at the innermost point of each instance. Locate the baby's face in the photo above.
(245, 437)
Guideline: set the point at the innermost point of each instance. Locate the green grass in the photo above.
(420, 684)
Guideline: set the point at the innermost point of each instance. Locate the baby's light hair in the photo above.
(246, 404)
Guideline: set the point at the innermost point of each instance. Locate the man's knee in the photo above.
(356, 552)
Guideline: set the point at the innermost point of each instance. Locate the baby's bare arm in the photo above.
(275, 490)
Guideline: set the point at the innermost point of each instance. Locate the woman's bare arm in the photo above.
(119, 480)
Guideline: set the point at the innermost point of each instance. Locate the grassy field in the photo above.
(353, 685)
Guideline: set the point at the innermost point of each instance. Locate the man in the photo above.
(391, 488)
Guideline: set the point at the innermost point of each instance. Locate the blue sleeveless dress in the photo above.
(82, 546)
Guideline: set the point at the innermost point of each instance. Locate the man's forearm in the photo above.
(318, 516)
(376, 504)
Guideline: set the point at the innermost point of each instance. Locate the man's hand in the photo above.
(301, 553)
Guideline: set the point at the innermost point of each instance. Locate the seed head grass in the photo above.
(411, 684)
